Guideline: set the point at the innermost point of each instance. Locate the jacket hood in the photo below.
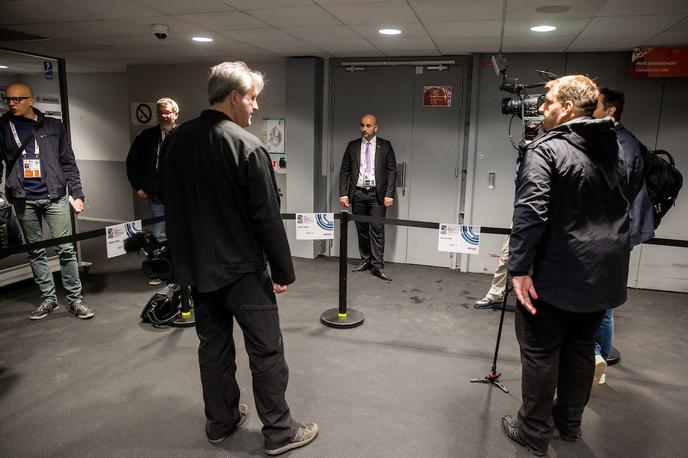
(595, 137)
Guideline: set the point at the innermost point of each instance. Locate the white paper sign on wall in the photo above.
(458, 238)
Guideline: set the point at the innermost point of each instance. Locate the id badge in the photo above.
(32, 168)
(369, 182)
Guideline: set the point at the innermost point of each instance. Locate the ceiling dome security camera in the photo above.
(160, 31)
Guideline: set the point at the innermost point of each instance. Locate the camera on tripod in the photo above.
(524, 105)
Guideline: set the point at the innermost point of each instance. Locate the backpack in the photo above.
(663, 181)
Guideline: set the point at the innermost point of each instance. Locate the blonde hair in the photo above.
(168, 101)
(579, 89)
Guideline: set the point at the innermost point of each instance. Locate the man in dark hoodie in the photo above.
(569, 247)
(40, 175)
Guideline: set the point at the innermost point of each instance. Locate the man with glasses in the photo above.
(143, 160)
(43, 169)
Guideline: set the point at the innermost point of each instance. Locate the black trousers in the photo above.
(251, 301)
(371, 236)
(557, 354)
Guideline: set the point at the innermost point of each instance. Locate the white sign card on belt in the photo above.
(314, 226)
(458, 238)
(117, 234)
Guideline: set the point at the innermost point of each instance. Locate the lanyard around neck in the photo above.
(37, 150)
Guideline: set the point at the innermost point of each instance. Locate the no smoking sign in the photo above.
(143, 114)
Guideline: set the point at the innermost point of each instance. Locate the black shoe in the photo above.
(379, 273)
(510, 428)
(365, 266)
(567, 435)
(243, 415)
(613, 357)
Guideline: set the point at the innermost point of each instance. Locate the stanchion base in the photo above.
(332, 318)
(492, 379)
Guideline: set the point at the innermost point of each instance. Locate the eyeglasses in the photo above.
(15, 99)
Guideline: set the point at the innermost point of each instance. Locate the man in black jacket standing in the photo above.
(367, 182)
(569, 247)
(223, 222)
(37, 183)
(143, 160)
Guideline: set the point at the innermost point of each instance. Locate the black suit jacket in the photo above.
(385, 170)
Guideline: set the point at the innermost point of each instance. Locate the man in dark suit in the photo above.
(367, 182)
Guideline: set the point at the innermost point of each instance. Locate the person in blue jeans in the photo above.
(37, 183)
(610, 103)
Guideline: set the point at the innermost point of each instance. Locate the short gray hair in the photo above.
(232, 76)
(168, 101)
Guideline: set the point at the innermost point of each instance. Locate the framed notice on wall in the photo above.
(273, 135)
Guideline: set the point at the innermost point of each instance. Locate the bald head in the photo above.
(20, 100)
(368, 126)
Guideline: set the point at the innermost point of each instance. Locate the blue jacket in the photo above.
(56, 154)
(642, 220)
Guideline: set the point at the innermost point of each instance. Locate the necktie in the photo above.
(368, 165)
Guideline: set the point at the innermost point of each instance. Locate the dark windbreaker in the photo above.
(571, 224)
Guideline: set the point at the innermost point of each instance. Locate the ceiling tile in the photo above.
(291, 48)
(526, 9)
(184, 6)
(295, 17)
(537, 43)
(257, 35)
(458, 10)
(266, 4)
(464, 29)
(468, 44)
(387, 13)
(223, 21)
(643, 7)
(606, 33)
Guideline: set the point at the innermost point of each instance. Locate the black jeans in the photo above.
(557, 354)
(371, 236)
(251, 301)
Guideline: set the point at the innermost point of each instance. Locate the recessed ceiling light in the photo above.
(390, 31)
(4, 66)
(202, 39)
(543, 28)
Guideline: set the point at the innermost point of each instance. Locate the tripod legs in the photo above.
(493, 376)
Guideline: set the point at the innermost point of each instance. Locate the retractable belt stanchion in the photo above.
(341, 317)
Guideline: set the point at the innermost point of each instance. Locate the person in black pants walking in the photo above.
(223, 223)
(569, 252)
(367, 182)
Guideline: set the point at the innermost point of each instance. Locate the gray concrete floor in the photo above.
(395, 387)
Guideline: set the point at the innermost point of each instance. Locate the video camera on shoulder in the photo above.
(524, 105)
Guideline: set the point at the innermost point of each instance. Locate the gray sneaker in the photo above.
(305, 434)
(81, 310)
(46, 308)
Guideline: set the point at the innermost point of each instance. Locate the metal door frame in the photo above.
(359, 64)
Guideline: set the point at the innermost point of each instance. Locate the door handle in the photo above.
(401, 177)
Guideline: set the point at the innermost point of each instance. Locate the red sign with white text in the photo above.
(660, 62)
(437, 96)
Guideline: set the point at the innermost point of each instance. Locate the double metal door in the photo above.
(427, 141)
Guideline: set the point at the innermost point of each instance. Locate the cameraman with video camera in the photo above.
(569, 253)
